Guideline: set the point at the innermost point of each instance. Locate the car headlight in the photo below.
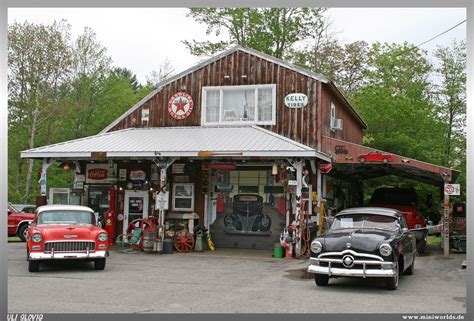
(36, 237)
(103, 237)
(316, 247)
(417, 226)
(385, 249)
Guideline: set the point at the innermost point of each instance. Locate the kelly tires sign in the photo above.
(296, 100)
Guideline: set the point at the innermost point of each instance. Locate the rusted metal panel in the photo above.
(347, 154)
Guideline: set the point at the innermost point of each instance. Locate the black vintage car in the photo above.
(364, 242)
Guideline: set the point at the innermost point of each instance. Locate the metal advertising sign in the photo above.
(296, 100)
(452, 189)
(162, 201)
(99, 173)
(180, 105)
(137, 176)
(325, 167)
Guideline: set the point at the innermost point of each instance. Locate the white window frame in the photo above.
(239, 88)
(333, 116)
(182, 209)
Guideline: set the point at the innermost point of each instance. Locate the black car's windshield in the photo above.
(365, 221)
(65, 217)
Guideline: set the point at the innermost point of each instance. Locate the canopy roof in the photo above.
(135, 143)
(346, 164)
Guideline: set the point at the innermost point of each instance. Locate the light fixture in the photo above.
(183, 88)
(66, 167)
(243, 76)
(349, 158)
(405, 160)
(274, 169)
(226, 77)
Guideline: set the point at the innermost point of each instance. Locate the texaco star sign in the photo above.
(180, 105)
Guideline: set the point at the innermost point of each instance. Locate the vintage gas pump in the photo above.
(111, 216)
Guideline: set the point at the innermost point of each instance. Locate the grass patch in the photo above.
(434, 240)
(14, 239)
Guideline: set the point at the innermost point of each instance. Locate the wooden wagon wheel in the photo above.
(183, 241)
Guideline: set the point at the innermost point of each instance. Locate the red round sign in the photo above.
(180, 105)
(325, 167)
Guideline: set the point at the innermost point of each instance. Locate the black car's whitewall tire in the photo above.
(411, 269)
(392, 282)
(321, 279)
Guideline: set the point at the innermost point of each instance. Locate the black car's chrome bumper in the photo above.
(362, 265)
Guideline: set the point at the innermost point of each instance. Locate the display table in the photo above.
(190, 217)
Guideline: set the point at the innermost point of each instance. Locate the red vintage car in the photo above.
(375, 157)
(18, 222)
(66, 232)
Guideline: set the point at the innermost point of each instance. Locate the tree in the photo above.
(125, 73)
(396, 103)
(451, 98)
(270, 30)
(91, 66)
(165, 70)
(39, 61)
(345, 64)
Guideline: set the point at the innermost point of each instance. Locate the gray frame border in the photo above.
(5, 4)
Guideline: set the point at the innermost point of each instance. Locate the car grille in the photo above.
(361, 260)
(69, 246)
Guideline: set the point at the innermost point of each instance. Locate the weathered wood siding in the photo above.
(351, 129)
(297, 124)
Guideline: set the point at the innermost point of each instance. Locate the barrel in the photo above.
(148, 241)
(168, 246)
(278, 251)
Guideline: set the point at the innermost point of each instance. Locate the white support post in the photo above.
(43, 181)
(163, 166)
(445, 233)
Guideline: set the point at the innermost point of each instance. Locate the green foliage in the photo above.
(59, 90)
(273, 31)
(395, 103)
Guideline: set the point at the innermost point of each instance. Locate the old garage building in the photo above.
(242, 143)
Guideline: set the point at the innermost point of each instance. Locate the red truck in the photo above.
(18, 222)
(404, 200)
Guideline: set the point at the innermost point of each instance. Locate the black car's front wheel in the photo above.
(392, 282)
(321, 279)
(33, 266)
(411, 269)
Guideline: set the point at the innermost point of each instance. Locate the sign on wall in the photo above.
(452, 189)
(296, 100)
(100, 173)
(180, 105)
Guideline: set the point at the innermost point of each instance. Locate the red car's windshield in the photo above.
(65, 217)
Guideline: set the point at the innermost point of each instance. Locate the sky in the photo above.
(141, 39)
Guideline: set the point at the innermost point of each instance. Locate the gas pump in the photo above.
(111, 216)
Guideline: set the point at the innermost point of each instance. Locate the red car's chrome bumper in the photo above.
(66, 256)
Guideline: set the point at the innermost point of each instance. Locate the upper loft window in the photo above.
(253, 104)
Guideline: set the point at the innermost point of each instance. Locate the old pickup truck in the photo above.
(404, 200)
